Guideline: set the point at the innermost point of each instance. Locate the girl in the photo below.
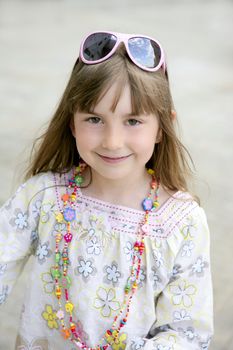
(121, 249)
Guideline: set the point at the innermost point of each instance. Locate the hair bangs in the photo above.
(93, 81)
(150, 92)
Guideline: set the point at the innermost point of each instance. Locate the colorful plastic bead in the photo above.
(72, 327)
(147, 204)
(65, 197)
(69, 214)
(57, 257)
(55, 273)
(58, 292)
(78, 180)
(145, 228)
(69, 307)
(150, 171)
(60, 314)
(65, 333)
(68, 237)
(59, 217)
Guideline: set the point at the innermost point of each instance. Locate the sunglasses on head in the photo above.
(144, 52)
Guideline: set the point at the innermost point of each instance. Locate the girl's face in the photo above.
(116, 145)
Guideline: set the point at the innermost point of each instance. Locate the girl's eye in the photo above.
(94, 120)
(133, 122)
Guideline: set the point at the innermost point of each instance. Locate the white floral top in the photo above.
(172, 308)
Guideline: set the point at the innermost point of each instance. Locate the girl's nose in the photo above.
(112, 138)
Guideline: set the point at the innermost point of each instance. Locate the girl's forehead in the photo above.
(116, 98)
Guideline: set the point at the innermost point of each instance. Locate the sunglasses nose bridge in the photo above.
(122, 43)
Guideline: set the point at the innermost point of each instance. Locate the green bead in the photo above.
(127, 289)
(57, 257)
(78, 180)
(55, 273)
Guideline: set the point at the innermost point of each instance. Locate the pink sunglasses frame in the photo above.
(121, 37)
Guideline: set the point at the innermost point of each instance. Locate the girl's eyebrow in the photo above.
(101, 115)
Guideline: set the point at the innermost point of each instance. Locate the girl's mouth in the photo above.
(113, 159)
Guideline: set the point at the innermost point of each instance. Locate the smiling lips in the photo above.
(113, 159)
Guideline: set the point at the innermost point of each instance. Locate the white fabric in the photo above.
(172, 309)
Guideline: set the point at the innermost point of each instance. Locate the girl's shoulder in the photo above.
(35, 187)
(180, 209)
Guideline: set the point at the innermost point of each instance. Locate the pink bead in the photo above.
(145, 228)
(68, 237)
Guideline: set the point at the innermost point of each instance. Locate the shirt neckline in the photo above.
(125, 208)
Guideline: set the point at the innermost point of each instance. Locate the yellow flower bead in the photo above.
(69, 307)
(59, 217)
(150, 171)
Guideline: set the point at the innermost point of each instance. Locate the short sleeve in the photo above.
(184, 309)
(18, 236)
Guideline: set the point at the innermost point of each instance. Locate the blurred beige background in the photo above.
(39, 42)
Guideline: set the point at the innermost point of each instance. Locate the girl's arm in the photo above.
(184, 309)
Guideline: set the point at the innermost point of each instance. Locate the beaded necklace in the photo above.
(62, 280)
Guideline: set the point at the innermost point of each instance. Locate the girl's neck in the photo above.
(127, 192)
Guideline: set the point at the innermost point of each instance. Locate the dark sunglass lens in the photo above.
(145, 51)
(98, 45)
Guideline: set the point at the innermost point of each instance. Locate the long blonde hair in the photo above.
(56, 149)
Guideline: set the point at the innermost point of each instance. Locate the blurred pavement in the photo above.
(39, 42)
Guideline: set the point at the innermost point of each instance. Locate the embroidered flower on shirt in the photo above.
(189, 229)
(85, 268)
(129, 251)
(36, 209)
(50, 316)
(159, 346)
(106, 301)
(3, 268)
(204, 345)
(187, 249)
(20, 220)
(48, 282)
(182, 293)
(176, 271)
(181, 315)
(4, 294)
(119, 341)
(42, 252)
(46, 210)
(158, 258)
(188, 333)
(198, 267)
(141, 276)
(93, 246)
(89, 233)
(112, 274)
(155, 277)
(137, 343)
(59, 227)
